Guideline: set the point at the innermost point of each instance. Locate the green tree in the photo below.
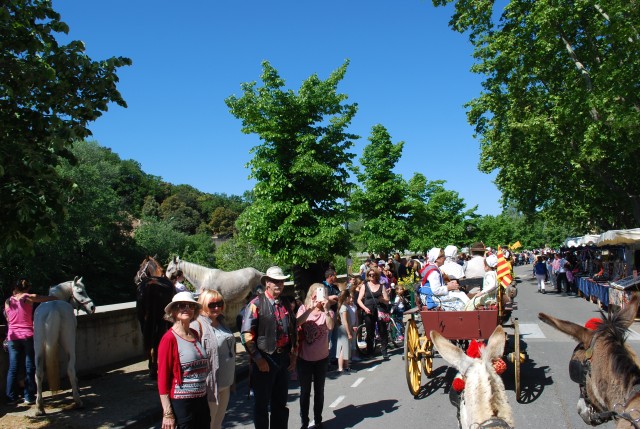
(176, 211)
(223, 221)
(160, 238)
(438, 216)
(48, 94)
(381, 204)
(558, 117)
(237, 253)
(297, 215)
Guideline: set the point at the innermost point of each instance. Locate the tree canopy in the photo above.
(381, 203)
(49, 93)
(560, 107)
(297, 215)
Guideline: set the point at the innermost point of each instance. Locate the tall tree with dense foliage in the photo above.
(381, 203)
(558, 117)
(49, 92)
(297, 216)
(438, 216)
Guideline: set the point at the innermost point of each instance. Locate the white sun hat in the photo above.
(182, 297)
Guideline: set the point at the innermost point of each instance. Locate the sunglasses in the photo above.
(216, 304)
(185, 306)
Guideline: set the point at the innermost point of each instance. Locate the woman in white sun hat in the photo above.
(182, 368)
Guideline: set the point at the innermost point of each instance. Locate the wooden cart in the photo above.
(455, 325)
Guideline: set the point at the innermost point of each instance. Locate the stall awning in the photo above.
(588, 240)
(619, 237)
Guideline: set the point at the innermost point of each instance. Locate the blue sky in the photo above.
(408, 71)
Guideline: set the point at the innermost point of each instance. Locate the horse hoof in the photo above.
(40, 412)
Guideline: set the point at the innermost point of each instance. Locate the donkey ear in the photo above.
(452, 354)
(80, 279)
(579, 333)
(75, 280)
(495, 345)
(628, 313)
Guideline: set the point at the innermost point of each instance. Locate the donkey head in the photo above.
(604, 366)
(484, 398)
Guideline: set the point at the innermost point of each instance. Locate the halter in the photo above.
(618, 411)
(142, 274)
(492, 422)
(78, 303)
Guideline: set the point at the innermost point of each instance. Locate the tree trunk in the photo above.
(305, 277)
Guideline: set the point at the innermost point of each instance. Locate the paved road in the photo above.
(377, 396)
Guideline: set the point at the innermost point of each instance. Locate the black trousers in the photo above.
(370, 321)
(192, 413)
(561, 281)
(312, 372)
(270, 391)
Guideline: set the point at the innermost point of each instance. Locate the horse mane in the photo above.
(613, 333)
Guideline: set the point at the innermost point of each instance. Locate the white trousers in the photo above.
(218, 410)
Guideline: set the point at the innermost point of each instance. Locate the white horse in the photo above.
(483, 402)
(55, 325)
(233, 285)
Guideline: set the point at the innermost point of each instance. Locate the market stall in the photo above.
(624, 282)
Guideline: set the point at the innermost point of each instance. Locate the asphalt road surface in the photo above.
(377, 396)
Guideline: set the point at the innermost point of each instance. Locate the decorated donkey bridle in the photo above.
(578, 372)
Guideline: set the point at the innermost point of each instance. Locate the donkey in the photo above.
(605, 368)
(483, 402)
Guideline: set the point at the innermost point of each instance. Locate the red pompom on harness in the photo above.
(593, 323)
(473, 351)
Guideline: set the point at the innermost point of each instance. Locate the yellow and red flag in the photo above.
(504, 270)
(516, 245)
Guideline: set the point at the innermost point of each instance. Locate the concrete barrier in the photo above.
(106, 338)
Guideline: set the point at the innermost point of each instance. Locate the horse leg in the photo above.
(39, 352)
(68, 342)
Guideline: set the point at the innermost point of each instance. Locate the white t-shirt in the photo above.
(452, 269)
(475, 268)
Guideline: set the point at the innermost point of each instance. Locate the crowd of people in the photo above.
(285, 338)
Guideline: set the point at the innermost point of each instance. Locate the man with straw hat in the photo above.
(269, 334)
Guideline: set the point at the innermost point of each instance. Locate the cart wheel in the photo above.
(427, 364)
(412, 362)
(516, 358)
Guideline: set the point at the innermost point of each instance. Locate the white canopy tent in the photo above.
(619, 237)
(589, 239)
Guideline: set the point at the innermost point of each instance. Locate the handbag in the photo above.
(383, 315)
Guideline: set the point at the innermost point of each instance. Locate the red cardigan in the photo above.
(169, 363)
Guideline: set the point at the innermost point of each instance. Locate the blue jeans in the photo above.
(21, 355)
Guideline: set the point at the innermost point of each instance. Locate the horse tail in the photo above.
(51, 352)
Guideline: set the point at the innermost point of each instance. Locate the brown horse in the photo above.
(153, 293)
(606, 368)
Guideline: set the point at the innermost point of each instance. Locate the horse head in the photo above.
(74, 293)
(173, 267)
(484, 401)
(605, 368)
(148, 268)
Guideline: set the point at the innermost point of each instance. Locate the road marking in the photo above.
(337, 401)
(373, 368)
(357, 382)
(531, 330)
(633, 335)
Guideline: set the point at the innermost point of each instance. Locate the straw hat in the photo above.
(273, 273)
(182, 297)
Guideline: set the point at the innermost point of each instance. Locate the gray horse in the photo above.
(233, 285)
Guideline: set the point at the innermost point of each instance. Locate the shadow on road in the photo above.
(352, 415)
